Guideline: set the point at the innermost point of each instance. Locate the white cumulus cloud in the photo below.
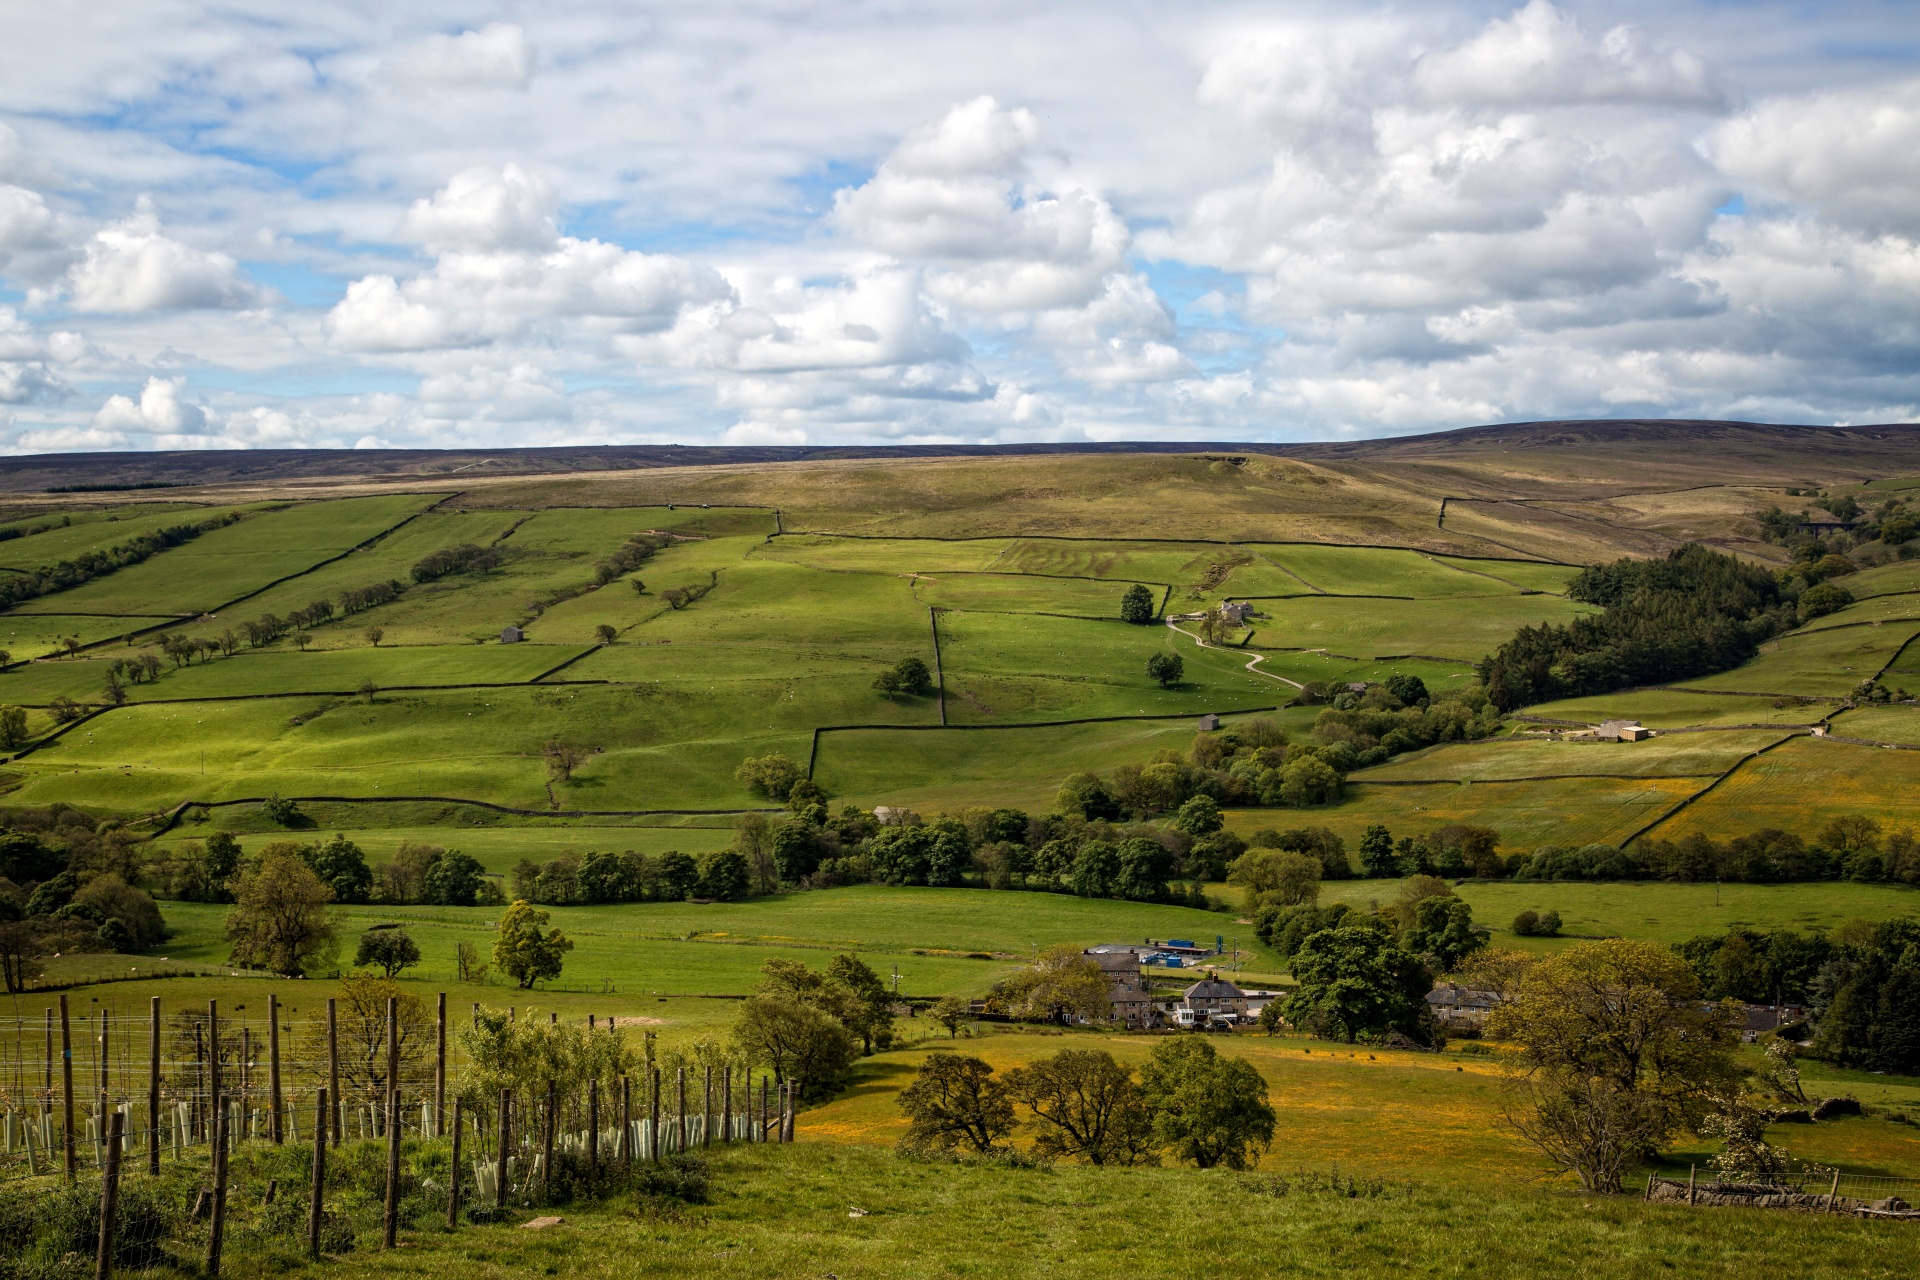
(161, 409)
(133, 265)
(497, 56)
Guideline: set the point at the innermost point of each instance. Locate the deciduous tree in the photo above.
(956, 1101)
(525, 949)
(279, 920)
(1089, 1108)
(387, 949)
(1206, 1107)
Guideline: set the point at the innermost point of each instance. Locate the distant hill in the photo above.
(1751, 448)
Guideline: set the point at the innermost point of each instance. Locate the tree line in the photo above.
(69, 883)
(1691, 613)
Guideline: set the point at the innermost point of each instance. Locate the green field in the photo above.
(1378, 571)
(1824, 662)
(1802, 785)
(1670, 755)
(1673, 709)
(1465, 629)
(227, 563)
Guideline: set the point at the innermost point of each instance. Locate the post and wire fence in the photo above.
(105, 1094)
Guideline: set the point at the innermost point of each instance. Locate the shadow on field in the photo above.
(878, 1078)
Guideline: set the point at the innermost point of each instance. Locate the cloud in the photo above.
(521, 393)
(160, 409)
(133, 266)
(497, 56)
(959, 195)
(507, 208)
(1852, 156)
(1541, 55)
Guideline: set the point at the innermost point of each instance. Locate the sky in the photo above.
(260, 225)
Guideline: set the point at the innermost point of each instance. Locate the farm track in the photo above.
(1251, 665)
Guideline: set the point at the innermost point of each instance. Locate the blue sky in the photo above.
(253, 225)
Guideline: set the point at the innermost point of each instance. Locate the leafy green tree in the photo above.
(1869, 1002)
(1355, 982)
(1143, 871)
(956, 1101)
(1376, 853)
(1062, 985)
(279, 920)
(725, 876)
(1206, 1108)
(862, 1001)
(1136, 605)
(343, 867)
(1278, 877)
(1096, 869)
(525, 949)
(771, 775)
(1088, 1107)
(1822, 599)
(605, 633)
(797, 849)
(914, 677)
(388, 950)
(1308, 781)
(284, 812)
(454, 879)
(13, 726)
(1086, 795)
(952, 1012)
(679, 874)
(1199, 816)
(1443, 930)
(1617, 1051)
(1165, 669)
(1410, 690)
(798, 1040)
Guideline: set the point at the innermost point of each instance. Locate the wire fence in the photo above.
(63, 1079)
(1811, 1188)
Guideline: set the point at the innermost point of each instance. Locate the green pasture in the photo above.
(99, 531)
(934, 769)
(1654, 911)
(1383, 571)
(1669, 755)
(1564, 811)
(1889, 579)
(227, 563)
(28, 635)
(390, 559)
(1123, 562)
(1464, 629)
(1528, 575)
(898, 556)
(1827, 662)
(1874, 610)
(279, 670)
(1800, 786)
(718, 948)
(1880, 723)
(1020, 593)
(1674, 709)
(1019, 667)
(644, 753)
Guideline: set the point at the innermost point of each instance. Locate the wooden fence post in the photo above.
(453, 1175)
(274, 1101)
(726, 1103)
(391, 1224)
(593, 1125)
(1691, 1170)
(109, 1197)
(706, 1109)
(653, 1119)
(1833, 1192)
(66, 1084)
(218, 1231)
(316, 1210)
(500, 1183)
(766, 1109)
(333, 1068)
(626, 1124)
(153, 1087)
(546, 1144)
(440, 1069)
(681, 1091)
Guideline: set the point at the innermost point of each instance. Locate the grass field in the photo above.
(231, 562)
(1673, 709)
(1377, 571)
(1564, 811)
(1827, 662)
(1799, 787)
(26, 636)
(1672, 755)
(1465, 629)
